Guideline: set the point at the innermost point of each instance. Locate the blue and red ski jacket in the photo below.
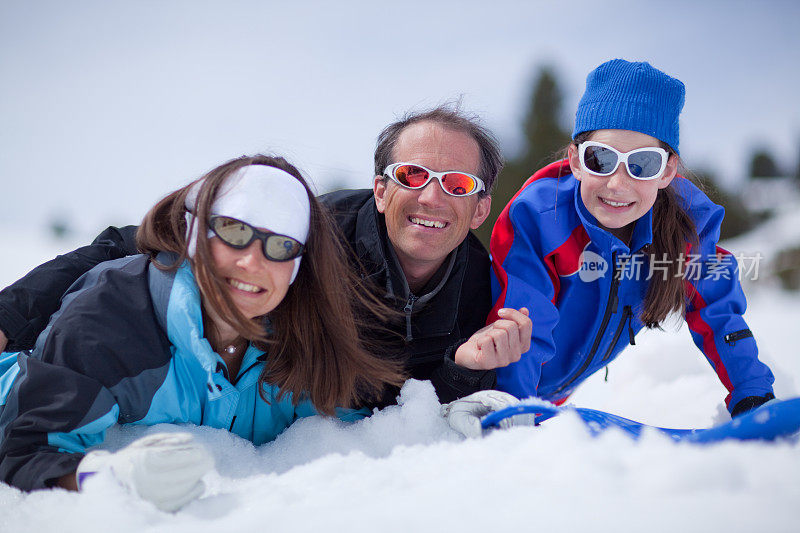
(585, 289)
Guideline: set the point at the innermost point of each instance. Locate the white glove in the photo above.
(164, 468)
(465, 415)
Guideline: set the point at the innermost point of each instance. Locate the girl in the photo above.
(611, 240)
(241, 314)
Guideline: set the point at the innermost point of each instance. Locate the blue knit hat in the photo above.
(621, 95)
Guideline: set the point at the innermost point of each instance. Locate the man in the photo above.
(411, 241)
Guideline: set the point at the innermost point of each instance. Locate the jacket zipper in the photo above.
(631, 335)
(731, 338)
(407, 309)
(626, 316)
(238, 377)
(611, 307)
(242, 372)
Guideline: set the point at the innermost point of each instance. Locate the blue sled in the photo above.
(768, 422)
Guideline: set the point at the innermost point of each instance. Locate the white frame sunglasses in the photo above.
(389, 173)
(623, 157)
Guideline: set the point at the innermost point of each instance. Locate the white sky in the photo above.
(106, 106)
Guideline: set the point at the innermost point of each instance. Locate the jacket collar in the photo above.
(183, 320)
(372, 244)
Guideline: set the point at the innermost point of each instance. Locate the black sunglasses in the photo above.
(239, 235)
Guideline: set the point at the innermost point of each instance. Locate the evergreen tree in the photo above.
(762, 165)
(545, 137)
(544, 133)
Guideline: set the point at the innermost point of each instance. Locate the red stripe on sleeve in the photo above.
(503, 232)
(697, 324)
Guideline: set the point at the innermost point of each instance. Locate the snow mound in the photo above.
(404, 469)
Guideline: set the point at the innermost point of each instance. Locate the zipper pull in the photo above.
(409, 304)
(731, 338)
(629, 311)
(408, 309)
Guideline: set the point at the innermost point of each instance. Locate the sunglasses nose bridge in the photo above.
(620, 167)
(622, 163)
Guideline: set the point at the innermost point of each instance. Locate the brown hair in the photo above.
(673, 232)
(314, 346)
(450, 116)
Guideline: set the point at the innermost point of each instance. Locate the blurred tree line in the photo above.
(546, 138)
(545, 141)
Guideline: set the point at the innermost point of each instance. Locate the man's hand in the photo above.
(164, 468)
(499, 344)
(3, 341)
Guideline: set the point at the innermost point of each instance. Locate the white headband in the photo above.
(264, 197)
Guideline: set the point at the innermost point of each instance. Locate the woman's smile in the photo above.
(244, 287)
(256, 284)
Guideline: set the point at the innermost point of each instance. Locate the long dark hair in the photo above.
(315, 349)
(674, 232)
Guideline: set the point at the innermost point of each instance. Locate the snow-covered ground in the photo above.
(403, 469)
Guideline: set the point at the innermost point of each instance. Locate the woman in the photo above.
(241, 314)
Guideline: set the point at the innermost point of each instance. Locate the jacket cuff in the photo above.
(749, 403)
(465, 378)
(740, 394)
(14, 325)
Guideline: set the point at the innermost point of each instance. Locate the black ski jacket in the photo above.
(426, 336)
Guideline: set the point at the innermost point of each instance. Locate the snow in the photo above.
(403, 469)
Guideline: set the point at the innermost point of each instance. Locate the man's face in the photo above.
(425, 225)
